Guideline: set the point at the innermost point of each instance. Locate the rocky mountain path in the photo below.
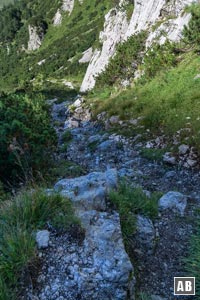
(158, 246)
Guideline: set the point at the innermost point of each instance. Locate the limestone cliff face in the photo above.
(115, 27)
(35, 38)
(67, 6)
(170, 14)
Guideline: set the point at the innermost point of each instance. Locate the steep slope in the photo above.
(162, 20)
(50, 39)
(115, 27)
(58, 32)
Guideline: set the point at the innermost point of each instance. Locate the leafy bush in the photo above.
(20, 218)
(27, 138)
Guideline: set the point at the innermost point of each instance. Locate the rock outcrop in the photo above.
(67, 6)
(162, 19)
(115, 27)
(42, 239)
(170, 14)
(87, 55)
(35, 38)
(101, 269)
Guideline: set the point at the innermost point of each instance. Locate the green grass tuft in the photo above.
(130, 202)
(20, 217)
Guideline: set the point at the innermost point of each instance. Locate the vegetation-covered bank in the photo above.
(27, 138)
(166, 104)
(166, 97)
(61, 48)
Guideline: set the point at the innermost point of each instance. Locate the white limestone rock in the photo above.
(41, 62)
(42, 239)
(145, 234)
(110, 261)
(68, 84)
(107, 268)
(169, 158)
(170, 13)
(146, 13)
(115, 27)
(57, 20)
(87, 55)
(67, 6)
(183, 149)
(35, 38)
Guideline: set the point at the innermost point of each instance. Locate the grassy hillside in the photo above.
(168, 103)
(166, 98)
(62, 46)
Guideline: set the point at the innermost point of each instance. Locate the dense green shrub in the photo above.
(27, 138)
(124, 64)
(10, 23)
(159, 58)
(192, 31)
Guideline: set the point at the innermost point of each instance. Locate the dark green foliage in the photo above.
(159, 58)
(124, 64)
(27, 139)
(192, 32)
(67, 136)
(10, 23)
(40, 23)
(20, 218)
